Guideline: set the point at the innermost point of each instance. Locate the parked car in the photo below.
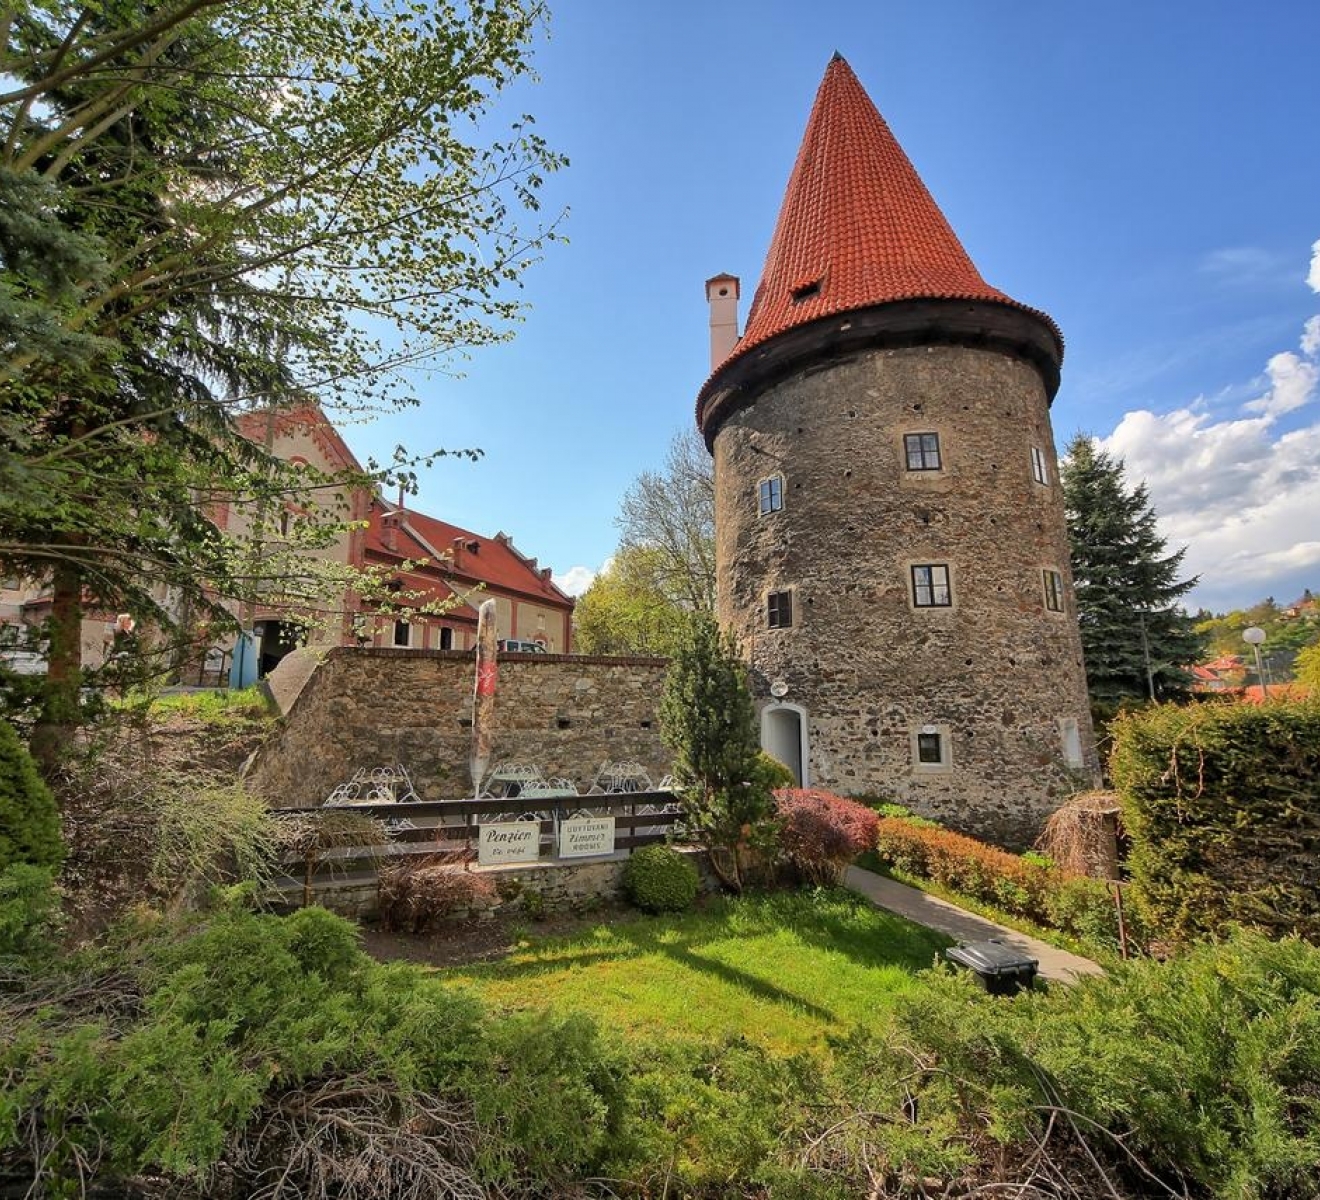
(519, 646)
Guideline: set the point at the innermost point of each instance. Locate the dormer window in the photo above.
(804, 290)
(771, 494)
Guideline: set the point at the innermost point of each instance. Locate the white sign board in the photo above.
(582, 837)
(508, 842)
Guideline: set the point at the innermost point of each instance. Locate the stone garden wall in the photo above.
(533, 890)
(566, 714)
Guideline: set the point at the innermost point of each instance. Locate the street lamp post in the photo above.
(1253, 637)
(1145, 652)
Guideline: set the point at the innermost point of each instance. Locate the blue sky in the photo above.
(1145, 172)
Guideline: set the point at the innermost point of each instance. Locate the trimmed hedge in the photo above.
(1029, 887)
(29, 819)
(1222, 802)
(822, 833)
(659, 879)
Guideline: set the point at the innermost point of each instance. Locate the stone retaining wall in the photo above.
(533, 890)
(566, 714)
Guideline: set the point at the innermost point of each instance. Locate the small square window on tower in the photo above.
(771, 494)
(931, 749)
(1053, 590)
(930, 586)
(779, 610)
(1039, 472)
(922, 451)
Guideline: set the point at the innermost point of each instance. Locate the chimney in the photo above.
(457, 547)
(389, 524)
(722, 296)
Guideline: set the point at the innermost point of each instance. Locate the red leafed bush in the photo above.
(416, 899)
(822, 833)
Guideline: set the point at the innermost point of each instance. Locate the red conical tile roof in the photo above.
(857, 227)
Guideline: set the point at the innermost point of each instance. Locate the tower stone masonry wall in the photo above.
(995, 673)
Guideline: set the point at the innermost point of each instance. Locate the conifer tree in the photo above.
(1127, 585)
(708, 720)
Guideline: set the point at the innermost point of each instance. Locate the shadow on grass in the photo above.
(834, 921)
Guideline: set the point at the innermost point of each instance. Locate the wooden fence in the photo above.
(414, 831)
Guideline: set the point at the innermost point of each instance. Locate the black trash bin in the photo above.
(1002, 970)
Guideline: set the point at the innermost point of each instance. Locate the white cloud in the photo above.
(1239, 493)
(575, 580)
(1313, 275)
(1292, 383)
(1242, 264)
(1311, 338)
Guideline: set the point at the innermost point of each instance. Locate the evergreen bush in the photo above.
(1222, 803)
(29, 914)
(707, 719)
(659, 879)
(232, 1050)
(29, 819)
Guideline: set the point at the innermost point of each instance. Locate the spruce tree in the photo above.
(29, 818)
(1127, 585)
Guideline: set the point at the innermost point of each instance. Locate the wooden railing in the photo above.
(418, 830)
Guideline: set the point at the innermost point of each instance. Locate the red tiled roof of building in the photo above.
(857, 227)
(1290, 690)
(494, 561)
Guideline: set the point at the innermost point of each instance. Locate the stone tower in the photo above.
(890, 540)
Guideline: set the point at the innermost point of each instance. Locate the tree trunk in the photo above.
(60, 708)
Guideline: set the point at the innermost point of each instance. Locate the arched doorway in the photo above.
(784, 736)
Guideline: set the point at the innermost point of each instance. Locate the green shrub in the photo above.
(547, 1095)
(659, 879)
(708, 720)
(29, 819)
(29, 914)
(1222, 804)
(251, 1044)
(1198, 1076)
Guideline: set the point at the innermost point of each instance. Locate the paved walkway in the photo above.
(940, 915)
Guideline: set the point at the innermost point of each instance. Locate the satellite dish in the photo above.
(779, 689)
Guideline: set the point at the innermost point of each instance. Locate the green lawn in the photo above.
(784, 970)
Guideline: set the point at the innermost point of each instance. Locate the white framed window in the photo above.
(921, 451)
(779, 610)
(770, 495)
(1053, 584)
(403, 635)
(932, 749)
(1039, 471)
(930, 586)
(446, 638)
(1070, 738)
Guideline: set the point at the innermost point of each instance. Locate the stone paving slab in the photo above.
(934, 913)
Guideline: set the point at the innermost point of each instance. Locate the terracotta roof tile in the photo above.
(494, 562)
(857, 221)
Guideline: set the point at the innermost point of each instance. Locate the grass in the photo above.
(785, 970)
(218, 707)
